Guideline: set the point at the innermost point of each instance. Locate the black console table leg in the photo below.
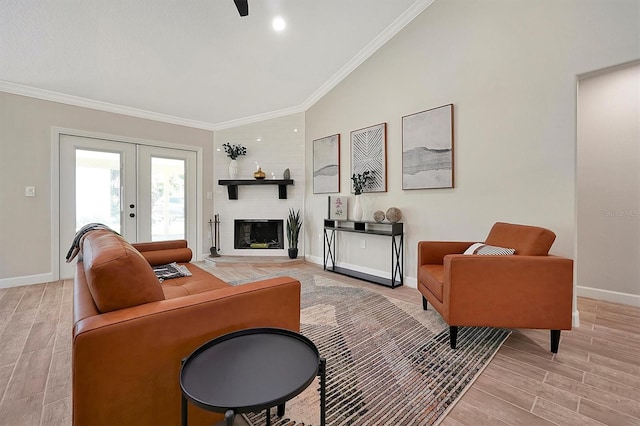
(281, 410)
(268, 414)
(323, 391)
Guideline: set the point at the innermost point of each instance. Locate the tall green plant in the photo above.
(294, 223)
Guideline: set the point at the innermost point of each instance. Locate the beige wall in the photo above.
(510, 69)
(25, 160)
(608, 185)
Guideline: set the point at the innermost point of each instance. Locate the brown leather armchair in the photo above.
(530, 289)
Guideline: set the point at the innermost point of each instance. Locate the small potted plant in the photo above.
(360, 182)
(233, 152)
(294, 223)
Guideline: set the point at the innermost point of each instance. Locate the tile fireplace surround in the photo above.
(280, 146)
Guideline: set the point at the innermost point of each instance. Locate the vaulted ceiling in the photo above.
(195, 62)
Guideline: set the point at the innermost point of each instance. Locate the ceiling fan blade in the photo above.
(243, 7)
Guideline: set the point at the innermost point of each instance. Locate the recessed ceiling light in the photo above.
(278, 23)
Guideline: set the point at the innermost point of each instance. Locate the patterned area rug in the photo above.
(388, 361)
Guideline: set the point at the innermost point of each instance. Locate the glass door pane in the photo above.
(168, 199)
(167, 202)
(98, 189)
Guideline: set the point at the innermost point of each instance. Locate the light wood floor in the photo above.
(593, 380)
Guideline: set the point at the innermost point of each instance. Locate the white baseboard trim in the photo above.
(575, 319)
(26, 280)
(609, 296)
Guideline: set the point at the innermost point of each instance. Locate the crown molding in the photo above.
(48, 95)
(394, 28)
(259, 117)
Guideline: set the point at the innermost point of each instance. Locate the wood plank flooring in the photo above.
(593, 380)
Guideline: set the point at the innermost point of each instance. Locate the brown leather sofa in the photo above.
(130, 332)
(530, 289)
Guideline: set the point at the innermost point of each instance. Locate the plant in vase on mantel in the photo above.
(360, 182)
(233, 152)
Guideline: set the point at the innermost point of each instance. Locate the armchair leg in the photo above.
(555, 340)
(453, 335)
(424, 303)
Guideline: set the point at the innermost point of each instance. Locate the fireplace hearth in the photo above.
(258, 234)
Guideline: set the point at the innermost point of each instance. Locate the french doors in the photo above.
(143, 192)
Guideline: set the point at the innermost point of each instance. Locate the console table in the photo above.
(393, 230)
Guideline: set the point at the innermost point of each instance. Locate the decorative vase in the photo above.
(259, 174)
(293, 253)
(357, 209)
(233, 169)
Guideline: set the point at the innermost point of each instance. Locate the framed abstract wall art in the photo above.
(326, 165)
(369, 152)
(427, 149)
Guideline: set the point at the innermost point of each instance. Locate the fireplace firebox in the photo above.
(258, 234)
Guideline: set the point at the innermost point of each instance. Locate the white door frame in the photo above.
(56, 132)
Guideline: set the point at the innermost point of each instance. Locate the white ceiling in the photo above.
(194, 62)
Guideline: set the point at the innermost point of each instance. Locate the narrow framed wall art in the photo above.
(369, 152)
(337, 207)
(326, 165)
(427, 149)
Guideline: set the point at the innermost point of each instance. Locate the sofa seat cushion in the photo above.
(432, 277)
(199, 281)
(118, 276)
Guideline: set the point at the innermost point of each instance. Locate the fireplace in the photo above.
(258, 234)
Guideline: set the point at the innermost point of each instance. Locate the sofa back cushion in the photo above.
(527, 240)
(117, 275)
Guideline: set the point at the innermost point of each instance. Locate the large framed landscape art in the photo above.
(326, 165)
(427, 149)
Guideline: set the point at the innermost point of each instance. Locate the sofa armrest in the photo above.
(433, 252)
(509, 291)
(163, 252)
(160, 245)
(122, 357)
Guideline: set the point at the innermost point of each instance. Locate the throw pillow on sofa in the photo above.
(486, 249)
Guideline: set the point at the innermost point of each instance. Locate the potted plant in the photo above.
(294, 223)
(233, 152)
(360, 182)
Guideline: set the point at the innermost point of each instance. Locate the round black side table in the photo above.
(251, 370)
